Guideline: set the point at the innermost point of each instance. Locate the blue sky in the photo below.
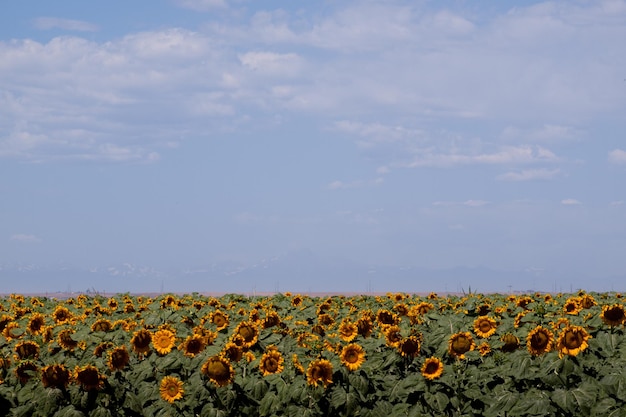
(184, 133)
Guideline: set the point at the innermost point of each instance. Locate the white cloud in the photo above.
(509, 155)
(271, 63)
(337, 185)
(26, 238)
(616, 203)
(467, 203)
(475, 203)
(617, 156)
(530, 174)
(545, 133)
(201, 5)
(570, 202)
(46, 23)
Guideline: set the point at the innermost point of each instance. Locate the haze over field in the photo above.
(241, 146)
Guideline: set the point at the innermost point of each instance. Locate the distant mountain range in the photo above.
(300, 271)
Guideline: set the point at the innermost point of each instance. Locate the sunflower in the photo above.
(4, 321)
(102, 325)
(141, 341)
(401, 309)
(572, 341)
(432, 368)
(65, 339)
(511, 342)
(587, 301)
(297, 365)
(25, 371)
(233, 351)
(539, 341)
(88, 377)
(348, 330)
(296, 300)
(325, 319)
(523, 301)
(484, 326)
(484, 349)
(61, 315)
(387, 318)
(193, 345)
(392, 336)
(12, 331)
(410, 346)
(460, 343)
(352, 356)
(219, 370)
(271, 361)
(163, 341)
(320, 370)
(102, 348)
(364, 326)
(613, 315)
(118, 358)
(422, 308)
(36, 323)
(572, 306)
(171, 389)
(483, 309)
(219, 319)
(248, 332)
(55, 376)
(271, 319)
(27, 350)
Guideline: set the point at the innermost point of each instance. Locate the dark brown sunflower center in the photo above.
(614, 314)
(218, 371)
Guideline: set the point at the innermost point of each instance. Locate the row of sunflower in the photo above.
(399, 354)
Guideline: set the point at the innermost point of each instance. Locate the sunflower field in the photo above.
(297, 355)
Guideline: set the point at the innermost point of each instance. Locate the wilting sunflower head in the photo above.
(539, 341)
(511, 342)
(65, 339)
(141, 341)
(171, 389)
(613, 315)
(219, 370)
(89, 378)
(163, 341)
(409, 346)
(352, 356)
(364, 326)
(12, 331)
(118, 358)
(432, 368)
(271, 362)
(572, 341)
(485, 326)
(460, 343)
(233, 351)
(320, 371)
(55, 376)
(271, 319)
(27, 350)
(26, 370)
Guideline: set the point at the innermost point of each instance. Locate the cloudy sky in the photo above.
(440, 134)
